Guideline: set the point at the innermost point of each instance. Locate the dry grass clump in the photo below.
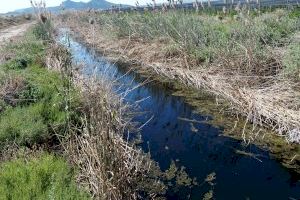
(275, 105)
(110, 165)
(58, 58)
(10, 88)
(239, 59)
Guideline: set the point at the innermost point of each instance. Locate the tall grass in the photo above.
(87, 125)
(207, 39)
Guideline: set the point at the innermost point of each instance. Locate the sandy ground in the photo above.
(14, 31)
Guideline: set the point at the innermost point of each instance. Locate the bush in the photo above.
(45, 177)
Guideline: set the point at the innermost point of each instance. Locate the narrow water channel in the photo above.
(196, 145)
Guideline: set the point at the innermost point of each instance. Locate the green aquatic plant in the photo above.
(209, 195)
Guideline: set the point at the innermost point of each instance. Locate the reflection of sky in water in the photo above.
(201, 152)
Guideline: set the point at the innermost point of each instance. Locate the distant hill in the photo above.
(95, 4)
(72, 5)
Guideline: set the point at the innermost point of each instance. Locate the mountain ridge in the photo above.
(72, 5)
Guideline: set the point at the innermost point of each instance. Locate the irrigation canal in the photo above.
(198, 146)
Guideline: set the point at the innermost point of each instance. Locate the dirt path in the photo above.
(14, 31)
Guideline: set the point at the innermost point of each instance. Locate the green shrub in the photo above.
(291, 60)
(43, 31)
(23, 125)
(52, 89)
(45, 177)
(43, 108)
(275, 27)
(31, 94)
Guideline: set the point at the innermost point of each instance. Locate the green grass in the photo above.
(23, 125)
(39, 108)
(43, 177)
(45, 103)
(295, 13)
(29, 50)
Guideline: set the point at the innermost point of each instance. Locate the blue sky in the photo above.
(11, 5)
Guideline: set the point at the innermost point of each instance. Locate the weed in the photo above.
(25, 52)
(204, 38)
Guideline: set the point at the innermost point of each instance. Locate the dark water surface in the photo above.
(198, 146)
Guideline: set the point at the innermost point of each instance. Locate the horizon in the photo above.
(14, 5)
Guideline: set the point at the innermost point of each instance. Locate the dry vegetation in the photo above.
(8, 21)
(252, 61)
(110, 165)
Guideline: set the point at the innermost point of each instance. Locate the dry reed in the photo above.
(110, 165)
